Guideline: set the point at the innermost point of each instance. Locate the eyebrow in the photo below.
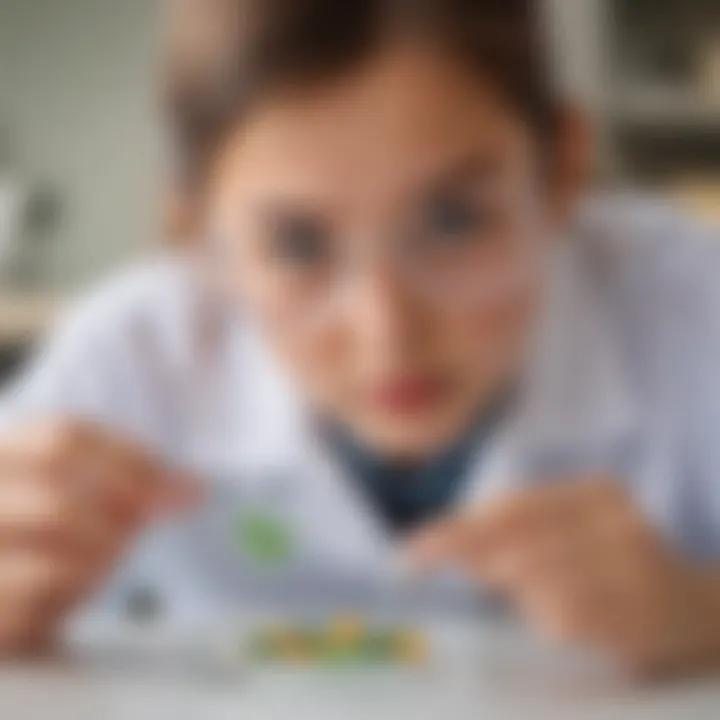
(469, 168)
(465, 169)
(291, 209)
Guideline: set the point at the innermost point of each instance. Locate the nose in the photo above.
(381, 312)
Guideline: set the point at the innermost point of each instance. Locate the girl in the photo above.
(404, 307)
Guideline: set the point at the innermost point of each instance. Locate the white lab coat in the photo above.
(625, 379)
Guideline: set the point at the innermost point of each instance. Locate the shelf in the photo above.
(702, 198)
(686, 111)
(24, 318)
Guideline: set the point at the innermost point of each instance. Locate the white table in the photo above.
(512, 677)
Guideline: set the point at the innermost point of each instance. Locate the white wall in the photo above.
(577, 29)
(77, 89)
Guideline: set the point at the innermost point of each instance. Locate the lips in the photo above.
(408, 395)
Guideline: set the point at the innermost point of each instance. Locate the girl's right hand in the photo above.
(71, 498)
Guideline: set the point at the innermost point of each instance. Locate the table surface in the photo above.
(512, 676)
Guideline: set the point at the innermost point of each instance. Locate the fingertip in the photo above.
(184, 477)
(185, 494)
(178, 494)
(422, 552)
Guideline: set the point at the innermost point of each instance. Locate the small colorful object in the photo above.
(345, 641)
(263, 538)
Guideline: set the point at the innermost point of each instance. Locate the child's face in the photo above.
(387, 233)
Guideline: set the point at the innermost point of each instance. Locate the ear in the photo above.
(573, 162)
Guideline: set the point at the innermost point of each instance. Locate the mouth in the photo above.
(406, 395)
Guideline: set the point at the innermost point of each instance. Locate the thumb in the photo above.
(429, 547)
(175, 494)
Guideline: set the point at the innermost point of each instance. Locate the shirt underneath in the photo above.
(408, 495)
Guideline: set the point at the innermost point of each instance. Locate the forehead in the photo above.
(400, 118)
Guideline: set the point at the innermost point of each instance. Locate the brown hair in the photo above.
(225, 54)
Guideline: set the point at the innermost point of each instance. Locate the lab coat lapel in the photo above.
(493, 470)
(338, 525)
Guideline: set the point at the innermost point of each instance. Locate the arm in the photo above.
(74, 479)
(579, 558)
(700, 420)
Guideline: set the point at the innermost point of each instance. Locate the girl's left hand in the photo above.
(582, 564)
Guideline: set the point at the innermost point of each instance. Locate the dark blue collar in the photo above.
(407, 495)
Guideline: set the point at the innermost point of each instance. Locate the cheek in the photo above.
(320, 364)
(493, 341)
(318, 361)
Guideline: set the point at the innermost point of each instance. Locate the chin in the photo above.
(412, 439)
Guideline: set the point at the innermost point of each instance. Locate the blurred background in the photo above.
(81, 151)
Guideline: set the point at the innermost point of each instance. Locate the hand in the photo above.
(71, 498)
(582, 564)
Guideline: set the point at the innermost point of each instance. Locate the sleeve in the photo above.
(110, 361)
(71, 374)
(106, 362)
(701, 422)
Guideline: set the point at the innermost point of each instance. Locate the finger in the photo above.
(34, 588)
(485, 529)
(36, 513)
(133, 482)
(516, 517)
(23, 631)
(30, 502)
(568, 591)
(527, 561)
(177, 494)
(117, 475)
(565, 613)
(45, 446)
(30, 576)
(432, 545)
(106, 469)
(561, 504)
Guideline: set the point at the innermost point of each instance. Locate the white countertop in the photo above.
(512, 677)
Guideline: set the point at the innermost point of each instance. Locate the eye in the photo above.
(454, 218)
(301, 241)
